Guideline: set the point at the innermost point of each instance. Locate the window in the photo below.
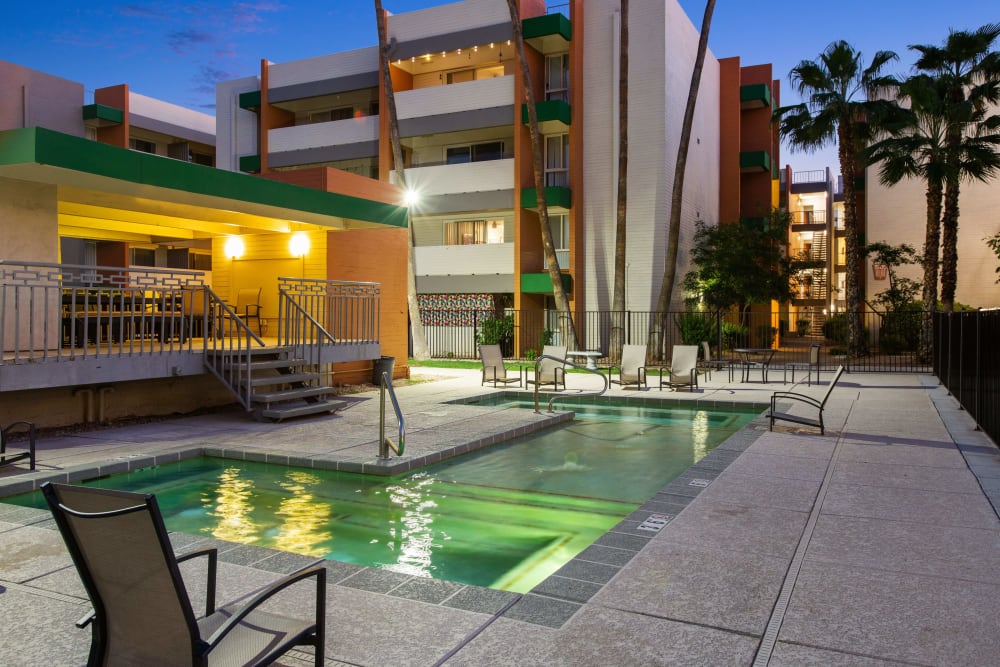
(841, 251)
(559, 224)
(473, 232)
(142, 257)
(142, 146)
(461, 76)
(557, 160)
(341, 113)
(557, 77)
(491, 150)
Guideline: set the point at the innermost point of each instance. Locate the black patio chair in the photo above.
(817, 404)
(142, 614)
(7, 457)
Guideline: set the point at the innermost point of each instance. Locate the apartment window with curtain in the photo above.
(482, 152)
(557, 160)
(473, 232)
(557, 77)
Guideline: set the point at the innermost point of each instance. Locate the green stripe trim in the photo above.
(250, 101)
(250, 163)
(555, 196)
(547, 110)
(541, 283)
(47, 147)
(755, 92)
(545, 25)
(755, 160)
(103, 112)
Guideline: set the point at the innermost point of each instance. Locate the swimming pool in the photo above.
(505, 517)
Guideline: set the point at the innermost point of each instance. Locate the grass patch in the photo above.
(446, 363)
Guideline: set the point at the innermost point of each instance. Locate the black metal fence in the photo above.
(892, 339)
(967, 361)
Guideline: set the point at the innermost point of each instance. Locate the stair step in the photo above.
(276, 363)
(283, 378)
(279, 413)
(268, 397)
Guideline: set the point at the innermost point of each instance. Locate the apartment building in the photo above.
(462, 123)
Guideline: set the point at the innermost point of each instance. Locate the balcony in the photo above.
(342, 139)
(553, 116)
(754, 162)
(456, 107)
(755, 96)
(813, 220)
(547, 34)
(466, 177)
(558, 199)
(456, 261)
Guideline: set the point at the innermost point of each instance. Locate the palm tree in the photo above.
(970, 71)
(420, 351)
(840, 105)
(918, 151)
(618, 296)
(680, 166)
(566, 329)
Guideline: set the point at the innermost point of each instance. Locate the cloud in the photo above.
(185, 41)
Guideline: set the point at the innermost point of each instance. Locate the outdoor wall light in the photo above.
(411, 197)
(234, 247)
(299, 244)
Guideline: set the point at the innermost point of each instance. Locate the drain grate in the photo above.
(701, 483)
(655, 522)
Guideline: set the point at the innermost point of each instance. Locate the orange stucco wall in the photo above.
(269, 117)
(729, 140)
(757, 134)
(375, 255)
(117, 97)
(343, 182)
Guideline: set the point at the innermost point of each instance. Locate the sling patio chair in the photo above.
(9, 457)
(683, 371)
(494, 369)
(632, 369)
(810, 366)
(708, 364)
(142, 613)
(813, 403)
(248, 306)
(552, 370)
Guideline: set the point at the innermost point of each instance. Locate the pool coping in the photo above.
(551, 603)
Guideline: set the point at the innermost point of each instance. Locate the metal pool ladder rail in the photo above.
(384, 443)
(598, 373)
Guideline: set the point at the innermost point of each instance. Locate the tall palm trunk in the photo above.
(847, 149)
(618, 298)
(932, 242)
(659, 324)
(420, 351)
(949, 244)
(566, 330)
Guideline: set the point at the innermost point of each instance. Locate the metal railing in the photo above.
(346, 313)
(567, 362)
(229, 347)
(384, 443)
(813, 176)
(967, 362)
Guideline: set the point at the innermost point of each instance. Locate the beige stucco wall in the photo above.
(898, 215)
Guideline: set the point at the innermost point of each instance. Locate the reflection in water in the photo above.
(306, 521)
(232, 506)
(699, 434)
(414, 536)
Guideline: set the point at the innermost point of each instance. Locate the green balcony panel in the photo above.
(250, 163)
(541, 283)
(547, 25)
(103, 114)
(755, 96)
(555, 197)
(751, 161)
(250, 101)
(548, 111)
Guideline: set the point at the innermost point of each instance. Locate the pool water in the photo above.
(505, 517)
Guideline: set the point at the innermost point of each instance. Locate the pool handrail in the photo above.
(574, 365)
(384, 443)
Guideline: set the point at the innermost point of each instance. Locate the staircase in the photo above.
(279, 384)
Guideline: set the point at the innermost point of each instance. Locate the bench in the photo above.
(817, 421)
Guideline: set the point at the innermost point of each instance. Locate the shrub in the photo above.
(497, 331)
(734, 335)
(695, 327)
(765, 335)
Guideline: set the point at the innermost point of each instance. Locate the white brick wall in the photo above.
(316, 135)
(237, 128)
(331, 66)
(171, 113)
(449, 18)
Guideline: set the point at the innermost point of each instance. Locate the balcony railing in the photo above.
(814, 176)
(808, 217)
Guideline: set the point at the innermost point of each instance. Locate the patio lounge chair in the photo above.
(809, 366)
(683, 370)
(142, 613)
(708, 364)
(248, 306)
(551, 371)
(494, 370)
(7, 457)
(807, 400)
(632, 370)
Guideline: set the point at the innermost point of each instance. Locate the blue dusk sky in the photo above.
(177, 51)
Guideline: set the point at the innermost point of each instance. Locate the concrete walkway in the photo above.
(876, 544)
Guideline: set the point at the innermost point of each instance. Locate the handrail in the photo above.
(231, 350)
(607, 384)
(384, 443)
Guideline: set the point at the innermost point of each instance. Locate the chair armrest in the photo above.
(213, 558)
(268, 592)
(808, 400)
(86, 619)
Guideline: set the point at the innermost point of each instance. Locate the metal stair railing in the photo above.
(229, 350)
(567, 362)
(384, 443)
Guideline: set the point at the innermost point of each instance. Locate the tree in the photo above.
(566, 328)
(677, 193)
(994, 243)
(841, 105)
(970, 71)
(420, 350)
(901, 312)
(740, 264)
(621, 237)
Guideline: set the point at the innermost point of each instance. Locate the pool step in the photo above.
(281, 386)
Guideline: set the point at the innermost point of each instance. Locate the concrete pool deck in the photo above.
(876, 544)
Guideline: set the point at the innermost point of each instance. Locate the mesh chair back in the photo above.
(683, 359)
(120, 547)
(633, 358)
(547, 367)
(492, 358)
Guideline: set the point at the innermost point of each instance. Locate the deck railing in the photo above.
(967, 361)
(334, 312)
